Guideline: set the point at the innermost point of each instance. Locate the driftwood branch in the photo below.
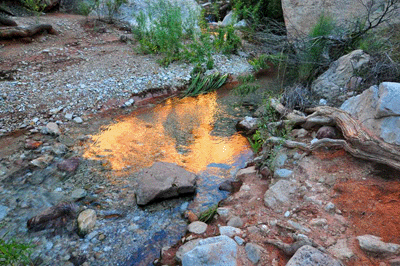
(358, 141)
(22, 32)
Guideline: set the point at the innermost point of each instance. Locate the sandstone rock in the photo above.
(374, 244)
(243, 173)
(301, 16)
(318, 222)
(42, 161)
(229, 231)
(299, 133)
(327, 132)
(86, 221)
(279, 193)
(341, 250)
(248, 125)
(197, 227)
(253, 252)
(191, 216)
(69, 165)
(376, 108)
(163, 180)
(309, 256)
(265, 172)
(32, 144)
(219, 250)
(235, 221)
(230, 186)
(331, 85)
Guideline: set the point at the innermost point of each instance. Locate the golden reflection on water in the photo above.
(178, 131)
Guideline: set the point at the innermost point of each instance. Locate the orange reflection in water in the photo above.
(178, 131)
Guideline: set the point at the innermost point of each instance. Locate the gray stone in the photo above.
(78, 194)
(283, 173)
(197, 227)
(280, 160)
(3, 211)
(298, 226)
(309, 256)
(341, 250)
(327, 132)
(239, 240)
(253, 252)
(318, 222)
(188, 246)
(229, 231)
(374, 244)
(86, 221)
(218, 251)
(376, 109)
(42, 161)
(330, 207)
(223, 212)
(229, 19)
(235, 221)
(78, 120)
(69, 116)
(163, 180)
(51, 129)
(332, 84)
(279, 193)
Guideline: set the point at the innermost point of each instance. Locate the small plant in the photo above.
(36, 6)
(256, 141)
(245, 89)
(13, 252)
(227, 41)
(113, 6)
(208, 214)
(201, 84)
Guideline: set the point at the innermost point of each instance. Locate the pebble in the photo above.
(197, 227)
(78, 120)
(235, 221)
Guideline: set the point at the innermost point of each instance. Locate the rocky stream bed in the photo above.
(78, 121)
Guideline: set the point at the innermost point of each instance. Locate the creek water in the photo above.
(197, 133)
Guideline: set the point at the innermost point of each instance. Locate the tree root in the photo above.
(358, 141)
(22, 32)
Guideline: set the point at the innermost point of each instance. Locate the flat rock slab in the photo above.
(375, 245)
(219, 250)
(162, 181)
(309, 256)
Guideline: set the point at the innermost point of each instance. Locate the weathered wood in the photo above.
(7, 22)
(358, 141)
(22, 32)
(55, 215)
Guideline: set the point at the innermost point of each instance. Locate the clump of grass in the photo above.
(201, 84)
(14, 252)
(208, 214)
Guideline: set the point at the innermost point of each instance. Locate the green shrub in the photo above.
(256, 10)
(164, 31)
(227, 41)
(208, 214)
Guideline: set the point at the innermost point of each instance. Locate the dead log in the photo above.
(22, 32)
(358, 141)
(7, 22)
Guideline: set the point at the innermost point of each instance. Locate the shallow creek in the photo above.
(197, 133)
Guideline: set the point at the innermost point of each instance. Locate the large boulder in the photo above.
(219, 250)
(334, 84)
(378, 110)
(301, 16)
(163, 180)
(128, 12)
(309, 256)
